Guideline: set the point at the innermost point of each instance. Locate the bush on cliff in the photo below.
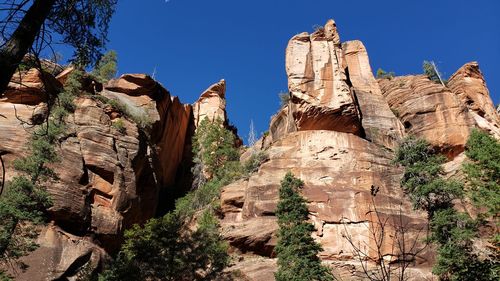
(483, 172)
(296, 250)
(165, 249)
(105, 69)
(452, 231)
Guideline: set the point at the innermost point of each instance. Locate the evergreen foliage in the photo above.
(164, 249)
(451, 230)
(381, 74)
(431, 71)
(105, 69)
(483, 172)
(213, 146)
(296, 250)
(422, 177)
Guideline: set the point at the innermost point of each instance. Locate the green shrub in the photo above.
(105, 69)
(119, 126)
(142, 120)
(483, 171)
(296, 250)
(431, 71)
(214, 146)
(452, 231)
(253, 163)
(164, 249)
(422, 177)
(382, 74)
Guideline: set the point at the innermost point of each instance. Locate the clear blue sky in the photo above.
(194, 43)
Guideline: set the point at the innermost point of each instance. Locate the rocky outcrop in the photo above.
(339, 170)
(152, 105)
(469, 85)
(211, 104)
(62, 256)
(320, 95)
(379, 123)
(109, 175)
(30, 87)
(429, 110)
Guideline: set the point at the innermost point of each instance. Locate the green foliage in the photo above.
(483, 171)
(164, 249)
(213, 146)
(452, 231)
(119, 126)
(421, 179)
(296, 250)
(431, 71)
(105, 69)
(142, 120)
(82, 25)
(25, 201)
(65, 99)
(382, 74)
(253, 163)
(284, 98)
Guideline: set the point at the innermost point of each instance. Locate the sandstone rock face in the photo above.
(338, 170)
(108, 178)
(320, 96)
(133, 84)
(211, 104)
(379, 123)
(429, 110)
(28, 87)
(469, 85)
(152, 104)
(62, 256)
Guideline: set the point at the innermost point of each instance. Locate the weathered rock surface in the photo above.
(28, 87)
(62, 256)
(429, 110)
(211, 104)
(320, 96)
(338, 170)
(379, 123)
(152, 105)
(469, 84)
(108, 177)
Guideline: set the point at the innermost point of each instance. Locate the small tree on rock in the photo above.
(296, 250)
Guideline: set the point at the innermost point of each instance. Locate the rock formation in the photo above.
(379, 122)
(107, 179)
(129, 142)
(469, 84)
(211, 104)
(429, 110)
(320, 96)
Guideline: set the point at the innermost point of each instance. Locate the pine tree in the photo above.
(296, 250)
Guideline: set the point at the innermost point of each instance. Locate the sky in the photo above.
(191, 44)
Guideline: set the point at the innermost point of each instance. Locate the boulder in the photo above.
(320, 95)
(61, 256)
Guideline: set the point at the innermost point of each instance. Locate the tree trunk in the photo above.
(22, 39)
